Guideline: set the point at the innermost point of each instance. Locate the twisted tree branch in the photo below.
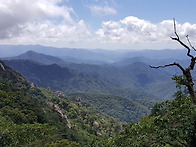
(177, 38)
(172, 64)
(190, 43)
(186, 71)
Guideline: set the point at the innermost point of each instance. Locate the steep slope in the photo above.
(38, 117)
(123, 81)
(172, 124)
(64, 79)
(137, 76)
(156, 82)
(143, 74)
(131, 76)
(123, 109)
(58, 78)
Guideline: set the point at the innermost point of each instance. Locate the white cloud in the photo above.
(48, 22)
(15, 13)
(102, 10)
(132, 30)
(48, 33)
(40, 22)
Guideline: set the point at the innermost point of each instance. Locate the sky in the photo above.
(97, 24)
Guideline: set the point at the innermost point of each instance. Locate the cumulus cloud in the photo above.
(39, 21)
(50, 32)
(48, 22)
(132, 30)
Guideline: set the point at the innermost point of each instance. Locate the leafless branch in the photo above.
(1, 65)
(175, 31)
(172, 64)
(190, 43)
(187, 71)
(177, 38)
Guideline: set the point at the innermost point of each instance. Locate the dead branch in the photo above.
(177, 38)
(190, 43)
(186, 71)
(172, 64)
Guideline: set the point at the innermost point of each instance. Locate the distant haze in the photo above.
(87, 54)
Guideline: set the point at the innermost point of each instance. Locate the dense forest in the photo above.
(171, 123)
(32, 116)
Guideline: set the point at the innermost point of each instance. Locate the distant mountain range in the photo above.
(100, 77)
(88, 56)
(37, 57)
(92, 99)
(133, 80)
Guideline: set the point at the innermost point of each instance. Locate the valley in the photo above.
(91, 101)
(97, 73)
(127, 79)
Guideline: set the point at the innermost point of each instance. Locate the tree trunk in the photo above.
(190, 84)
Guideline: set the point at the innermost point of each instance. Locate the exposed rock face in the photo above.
(99, 134)
(2, 67)
(32, 85)
(96, 124)
(78, 99)
(63, 116)
(60, 94)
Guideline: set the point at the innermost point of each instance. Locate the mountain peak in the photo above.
(31, 52)
(38, 57)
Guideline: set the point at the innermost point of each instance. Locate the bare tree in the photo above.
(188, 82)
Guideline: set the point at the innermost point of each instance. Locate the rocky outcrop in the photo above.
(63, 116)
(2, 67)
(96, 124)
(32, 85)
(60, 94)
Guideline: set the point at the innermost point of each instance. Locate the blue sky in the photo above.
(106, 24)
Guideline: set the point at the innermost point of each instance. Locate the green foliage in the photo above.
(84, 120)
(63, 143)
(12, 134)
(31, 116)
(28, 117)
(172, 123)
(19, 105)
(180, 80)
(94, 79)
(125, 110)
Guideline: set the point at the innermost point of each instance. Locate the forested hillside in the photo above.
(171, 124)
(123, 109)
(89, 103)
(30, 116)
(51, 119)
(107, 93)
(55, 119)
(133, 81)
